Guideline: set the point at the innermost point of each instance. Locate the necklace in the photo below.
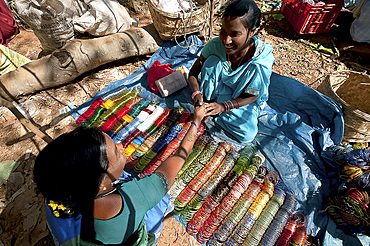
(240, 61)
(106, 194)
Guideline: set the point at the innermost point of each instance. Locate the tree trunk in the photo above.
(75, 58)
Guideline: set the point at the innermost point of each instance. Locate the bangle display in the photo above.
(195, 125)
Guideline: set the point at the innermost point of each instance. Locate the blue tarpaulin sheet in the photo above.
(296, 129)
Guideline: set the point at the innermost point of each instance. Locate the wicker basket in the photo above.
(356, 122)
(172, 25)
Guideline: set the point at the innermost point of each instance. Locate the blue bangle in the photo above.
(195, 125)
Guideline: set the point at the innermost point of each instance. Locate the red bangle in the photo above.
(195, 93)
(226, 105)
(237, 103)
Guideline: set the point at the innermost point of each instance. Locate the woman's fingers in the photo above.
(198, 100)
(213, 109)
(200, 111)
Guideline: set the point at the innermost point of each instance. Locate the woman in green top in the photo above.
(78, 175)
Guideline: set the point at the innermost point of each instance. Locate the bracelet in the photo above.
(237, 103)
(228, 106)
(195, 93)
(195, 125)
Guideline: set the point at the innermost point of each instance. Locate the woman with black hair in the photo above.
(79, 174)
(235, 70)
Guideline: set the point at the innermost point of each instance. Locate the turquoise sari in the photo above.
(220, 83)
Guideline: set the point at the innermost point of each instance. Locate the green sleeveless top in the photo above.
(138, 196)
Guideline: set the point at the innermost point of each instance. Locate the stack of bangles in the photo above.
(230, 105)
(196, 93)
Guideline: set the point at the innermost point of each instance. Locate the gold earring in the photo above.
(104, 188)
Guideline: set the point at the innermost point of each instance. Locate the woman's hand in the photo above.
(214, 108)
(199, 113)
(198, 100)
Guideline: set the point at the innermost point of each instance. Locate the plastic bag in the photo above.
(175, 6)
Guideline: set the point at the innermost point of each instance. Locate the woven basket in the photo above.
(356, 122)
(172, 25)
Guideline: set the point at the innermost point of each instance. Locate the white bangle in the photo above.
(195, 93)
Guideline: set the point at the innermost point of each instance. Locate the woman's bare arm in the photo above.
(215, 108)
(172, 165)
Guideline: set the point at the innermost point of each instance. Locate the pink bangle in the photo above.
(195, 93)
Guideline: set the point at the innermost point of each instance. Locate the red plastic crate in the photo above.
(307, 18)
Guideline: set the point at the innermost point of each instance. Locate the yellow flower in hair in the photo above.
(61, 207)
(53, 204)
(56, 213)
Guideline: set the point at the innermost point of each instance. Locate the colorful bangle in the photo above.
(195, 125)
(195, 93)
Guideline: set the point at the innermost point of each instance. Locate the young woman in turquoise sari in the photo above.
(234, 72)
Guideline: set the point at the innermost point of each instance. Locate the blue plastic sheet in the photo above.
(296, 129)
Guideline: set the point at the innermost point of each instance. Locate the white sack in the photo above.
(103, 17)
(51, 20)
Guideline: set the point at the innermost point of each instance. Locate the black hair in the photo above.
(247, 10)
(70, 170)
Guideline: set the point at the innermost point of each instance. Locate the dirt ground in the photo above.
(22, 220)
